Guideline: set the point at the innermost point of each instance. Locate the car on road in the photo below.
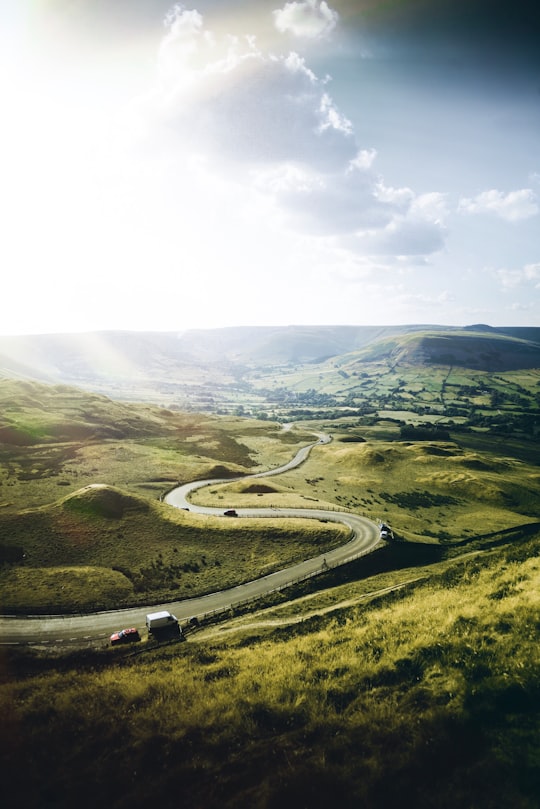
(385, 531)
(125, 636)
(230, 513)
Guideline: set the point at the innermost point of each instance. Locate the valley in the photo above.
(408, 668)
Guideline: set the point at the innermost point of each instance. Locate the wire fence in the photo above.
(325, 567)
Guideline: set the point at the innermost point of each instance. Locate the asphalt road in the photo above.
(97, 627)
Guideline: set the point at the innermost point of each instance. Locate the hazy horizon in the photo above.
(267, 326)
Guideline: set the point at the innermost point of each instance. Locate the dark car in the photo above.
(230, 513)
(125, 636)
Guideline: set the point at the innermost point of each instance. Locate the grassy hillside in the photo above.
(418, 686)
(429, 491)
(196, 355)
(55, 439)
(278, 372)
(81, 526)
(487, 351)
(102, 548)
(425, 697)
(472, 383)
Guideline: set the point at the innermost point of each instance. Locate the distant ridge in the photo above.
(222, 356)
(530, 333)
(476, 350)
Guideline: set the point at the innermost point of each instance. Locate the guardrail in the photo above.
(325, 567)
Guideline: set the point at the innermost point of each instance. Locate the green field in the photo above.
(342, 698)
(81, 525)
(410, 677)
(393, 379)
(82, 528)
(428, 491)
(54, 440)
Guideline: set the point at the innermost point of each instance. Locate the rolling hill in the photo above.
(219, 370)
(483, 351)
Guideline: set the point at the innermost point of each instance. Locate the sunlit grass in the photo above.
(56, 439)
(362, 702)
(152, 551)
(63, 589)
(427, 491)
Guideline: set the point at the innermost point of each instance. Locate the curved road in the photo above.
(94, 627)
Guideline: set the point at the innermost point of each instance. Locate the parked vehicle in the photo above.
(162, 622)
(125, 636)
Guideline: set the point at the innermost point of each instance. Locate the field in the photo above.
(429, 491)
(409, 677)
(81, 525)
(344, 698)
(104, 549)
(82, 528)
(54, 440)
(388, 382)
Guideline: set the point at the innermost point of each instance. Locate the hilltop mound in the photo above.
(99, 500)
(259, 488)
(438, 449)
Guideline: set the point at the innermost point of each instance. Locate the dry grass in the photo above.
(434, 491)
(358, 705)
(152, 551)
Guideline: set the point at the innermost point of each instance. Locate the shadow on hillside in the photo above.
(393, 556)
(496, 538)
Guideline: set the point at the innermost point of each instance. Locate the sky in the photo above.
(173, 166)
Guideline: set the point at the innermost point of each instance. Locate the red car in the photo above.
(125, 636)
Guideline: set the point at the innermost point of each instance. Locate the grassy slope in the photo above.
(457, 370)
(109, 545)
(427, 697)
(428, 491)
(149, 552)
(55, 439)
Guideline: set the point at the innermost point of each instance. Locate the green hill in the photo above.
(135, 360)
(485, 352)
(100, 500)
(102, 548)
(362, 696)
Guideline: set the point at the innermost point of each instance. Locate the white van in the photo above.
(161, 620)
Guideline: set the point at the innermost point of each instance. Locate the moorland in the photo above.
(409, 677)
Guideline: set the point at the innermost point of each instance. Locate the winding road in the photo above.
(88, 629)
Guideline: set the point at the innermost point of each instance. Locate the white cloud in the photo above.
(186, 46)
(513, 206)
(266, 121)
(363, 160)
(431, 206)
(413, 226)
(532, 272)
(310, 19)
(340, 202)
(399, 197)
(225, 96)
(403, 236)
(425, 300)
(529, 274)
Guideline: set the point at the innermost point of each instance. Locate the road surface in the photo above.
(87, 629)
